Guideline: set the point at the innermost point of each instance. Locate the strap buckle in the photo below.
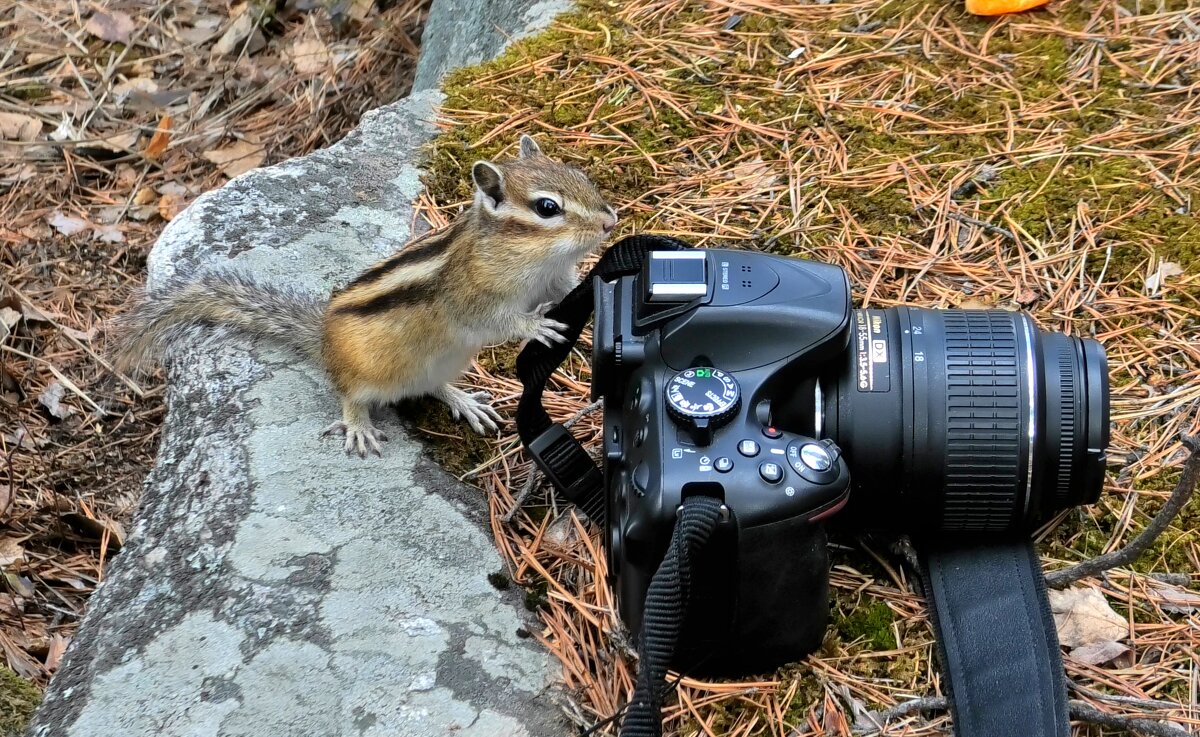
(569, 469)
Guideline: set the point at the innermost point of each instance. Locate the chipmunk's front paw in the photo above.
(543, 329)
(473, 408)
(359, 438)
(480, 415)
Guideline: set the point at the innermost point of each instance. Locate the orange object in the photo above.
(160, 139)
(1000, 7)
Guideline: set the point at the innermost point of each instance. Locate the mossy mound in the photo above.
(18, 700)
(1038, 162)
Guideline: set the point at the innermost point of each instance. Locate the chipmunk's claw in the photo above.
(359, 439)
(547, 331)
(473, 408)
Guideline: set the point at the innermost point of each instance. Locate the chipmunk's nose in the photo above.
(610, 221)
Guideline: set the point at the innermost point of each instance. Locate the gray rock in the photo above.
(274, 586)
(464, 32)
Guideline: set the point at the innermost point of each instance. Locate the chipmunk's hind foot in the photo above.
(361, 436)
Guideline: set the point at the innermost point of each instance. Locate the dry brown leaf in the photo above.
(158, 143)
(1027, 296)
(109, 233)
(237, 32)
(145, 196)
(118, 142)
(40, 57)
(1156, 278)
(9, 606)
(170, 205)
(67, 225)
(1098, 653)
(52, 398)
(755, 175)
(145, 85)
(18, 127)
(82, 336)
(8, 320)
(54, 652)
(35, 314)
(310, 56)
(11, 551)
(1173, 598)
(97, 527)
(1083, 617)
(14, 654)
(114, 27)
(360, 9)
(238, 158)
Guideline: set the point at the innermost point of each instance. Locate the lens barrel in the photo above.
(967, 420)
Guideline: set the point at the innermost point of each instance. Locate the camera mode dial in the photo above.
(702, 399)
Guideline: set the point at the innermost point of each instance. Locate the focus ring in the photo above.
(983, 420)
(1066, 414)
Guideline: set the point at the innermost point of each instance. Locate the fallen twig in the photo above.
(1183, 491)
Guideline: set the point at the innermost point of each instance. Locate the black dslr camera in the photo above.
(751, 379)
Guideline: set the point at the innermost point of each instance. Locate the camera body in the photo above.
(692, 358)
(750, 378)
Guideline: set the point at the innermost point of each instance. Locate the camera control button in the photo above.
(772, 432)
(772, 473)
(748, 448)
(815, 457)
(723, 464)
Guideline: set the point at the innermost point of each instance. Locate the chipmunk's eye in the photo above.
(546, 207)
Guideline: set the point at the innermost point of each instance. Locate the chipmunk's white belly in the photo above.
(441, 368)
(447, 366)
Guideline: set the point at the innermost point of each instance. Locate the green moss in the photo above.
(453, 444)
(536, 595)
(18, 699)
(499, 580)
(869, 623)
(809, 691)
(29, 92)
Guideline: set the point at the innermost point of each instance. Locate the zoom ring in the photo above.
(983, 418)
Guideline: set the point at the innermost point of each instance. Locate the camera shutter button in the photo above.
(816, 457)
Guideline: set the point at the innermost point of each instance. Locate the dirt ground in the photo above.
(113, 117)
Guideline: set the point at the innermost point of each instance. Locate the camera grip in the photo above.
(781, 603)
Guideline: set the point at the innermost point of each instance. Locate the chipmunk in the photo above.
(410, 324)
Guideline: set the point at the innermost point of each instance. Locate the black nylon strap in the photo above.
(997, 643)
(666, 604)
(564, 461)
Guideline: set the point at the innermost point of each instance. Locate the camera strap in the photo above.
(561, 457)
(996, 641)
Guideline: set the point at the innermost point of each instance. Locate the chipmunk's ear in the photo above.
(529, 147)
(489, 183)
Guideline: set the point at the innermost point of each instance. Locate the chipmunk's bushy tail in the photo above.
(220, 298)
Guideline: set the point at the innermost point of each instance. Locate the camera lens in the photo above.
(967, 420)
